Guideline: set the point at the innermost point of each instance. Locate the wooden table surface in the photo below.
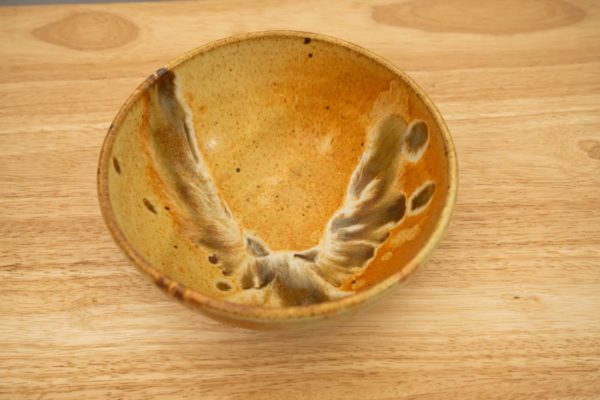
(507, 308)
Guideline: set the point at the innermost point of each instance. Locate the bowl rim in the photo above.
(290, 314)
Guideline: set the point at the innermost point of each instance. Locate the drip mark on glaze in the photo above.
(421, 197)
(223, 286)
(416, 140)
(149, 206)
(117, 165)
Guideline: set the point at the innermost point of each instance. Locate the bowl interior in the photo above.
(281, 121)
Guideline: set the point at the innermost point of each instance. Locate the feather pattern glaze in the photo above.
(372, 207)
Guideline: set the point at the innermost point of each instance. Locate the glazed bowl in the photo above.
(278, 178)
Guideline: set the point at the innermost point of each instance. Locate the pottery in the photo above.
(278, 178)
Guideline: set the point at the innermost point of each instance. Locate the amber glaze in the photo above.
(281, 120)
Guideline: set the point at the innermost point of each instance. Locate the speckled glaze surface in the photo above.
(282, 127)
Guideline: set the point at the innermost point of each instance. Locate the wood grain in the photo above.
(507, 308)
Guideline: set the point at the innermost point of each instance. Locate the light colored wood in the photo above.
(507, 308)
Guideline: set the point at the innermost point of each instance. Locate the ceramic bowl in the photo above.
(279, 178)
